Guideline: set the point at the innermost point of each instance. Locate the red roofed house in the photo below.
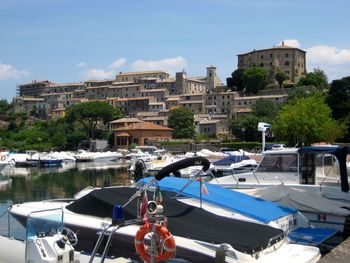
(140, 133)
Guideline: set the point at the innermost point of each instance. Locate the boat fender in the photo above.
(166, 246)
(3, 158)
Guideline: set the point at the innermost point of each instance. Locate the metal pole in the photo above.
(263, 140)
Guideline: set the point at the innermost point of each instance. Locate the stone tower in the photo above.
(212, 80)
(180, 84)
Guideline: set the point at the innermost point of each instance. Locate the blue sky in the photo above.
(76, 40)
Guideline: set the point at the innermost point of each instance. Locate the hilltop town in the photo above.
(150, 95)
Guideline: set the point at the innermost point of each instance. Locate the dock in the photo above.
(340, 254)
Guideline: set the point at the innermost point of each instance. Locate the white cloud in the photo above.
(81, 65)
(9, 72)
(290, 42)
(170, 65)
(329, 55)
(99, 74)
(335, 62)
(117, 63)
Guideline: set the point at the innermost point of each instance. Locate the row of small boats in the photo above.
(49, 159)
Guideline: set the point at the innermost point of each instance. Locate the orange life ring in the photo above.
(167, 249)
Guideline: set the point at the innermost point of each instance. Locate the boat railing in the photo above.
(109, 230)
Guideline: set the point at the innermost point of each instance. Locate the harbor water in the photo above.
(23, 184)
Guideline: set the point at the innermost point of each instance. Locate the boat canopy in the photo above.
(183, 220)
(339, 152)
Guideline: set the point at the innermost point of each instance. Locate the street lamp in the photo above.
(263, 127)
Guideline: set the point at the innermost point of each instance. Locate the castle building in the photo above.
(34, 89)
(290, 60)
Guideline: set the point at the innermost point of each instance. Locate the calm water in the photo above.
(19, 184)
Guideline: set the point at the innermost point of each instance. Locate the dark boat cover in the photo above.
(183, 220)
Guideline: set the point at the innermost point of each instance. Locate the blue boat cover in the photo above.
(311, 236)
(252, 207)
(231, 159)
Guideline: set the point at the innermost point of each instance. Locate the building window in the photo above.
(271, 55)
(286, 63)
(262, 65)
(286, 55)
(262, 56)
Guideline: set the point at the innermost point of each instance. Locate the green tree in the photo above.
(317, 79)
(89, 114)
(254, 79)
(281, 77)
(236, 80)
(181, 120)
(307, 120)
(266, 110)
(245, 128)
(298, 93)
(338, 99)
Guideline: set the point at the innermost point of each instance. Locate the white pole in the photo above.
(263, 141)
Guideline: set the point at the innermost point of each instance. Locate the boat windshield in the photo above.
(44, 223)
(277, 163)
(327, 165)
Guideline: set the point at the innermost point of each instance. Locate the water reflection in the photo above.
(21, 184)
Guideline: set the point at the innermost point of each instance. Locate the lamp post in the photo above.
(263, 127)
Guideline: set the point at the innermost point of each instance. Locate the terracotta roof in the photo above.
(273, 48)
(144, 126)
(173, 98)
(208, 122)
(124, 120)
(192, 102)
(152, 90)
(155, 118)
(123, 134)
(129, 99)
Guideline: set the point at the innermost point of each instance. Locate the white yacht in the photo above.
(311, 179)
(198, 234)
(85, 156)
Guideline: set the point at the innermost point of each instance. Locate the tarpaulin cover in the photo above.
(256, 208)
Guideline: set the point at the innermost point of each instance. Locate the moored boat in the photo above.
(200, 235)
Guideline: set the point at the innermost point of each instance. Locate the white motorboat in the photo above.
(311, 179)
(199, 235)
(47, 240)
(145, 153)
(233, 164)
(320, 169)
(320, 211)
(84, 156)
(5, 160)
